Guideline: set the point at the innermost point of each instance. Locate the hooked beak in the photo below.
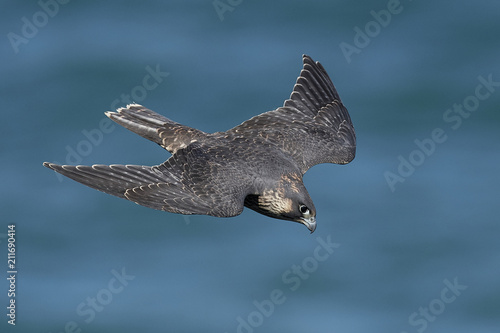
(310, 223)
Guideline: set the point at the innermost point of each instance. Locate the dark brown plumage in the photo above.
(258, 164)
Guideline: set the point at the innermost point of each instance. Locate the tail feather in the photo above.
(155, 127)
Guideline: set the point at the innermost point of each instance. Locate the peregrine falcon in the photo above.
(258, 164)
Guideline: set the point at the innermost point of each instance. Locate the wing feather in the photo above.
(312, 125)
(195, 180)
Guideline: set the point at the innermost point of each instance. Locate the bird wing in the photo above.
(211, 181)
(313, 126)
(194, 180)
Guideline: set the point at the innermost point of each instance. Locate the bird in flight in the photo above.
(258, 164)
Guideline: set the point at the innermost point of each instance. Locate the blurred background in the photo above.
(407, 236)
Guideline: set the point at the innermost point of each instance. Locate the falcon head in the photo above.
(301, 212)
(288, 201)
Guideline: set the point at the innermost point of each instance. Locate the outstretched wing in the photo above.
(210, 182)
(313, 126)
(192, 181)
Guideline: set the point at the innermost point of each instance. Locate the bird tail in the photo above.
(155, 127)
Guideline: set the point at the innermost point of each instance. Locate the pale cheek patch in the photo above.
(275, 202)
(287, 205)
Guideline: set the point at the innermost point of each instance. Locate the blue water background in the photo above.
(396, 250)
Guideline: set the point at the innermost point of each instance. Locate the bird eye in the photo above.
(304, 210)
